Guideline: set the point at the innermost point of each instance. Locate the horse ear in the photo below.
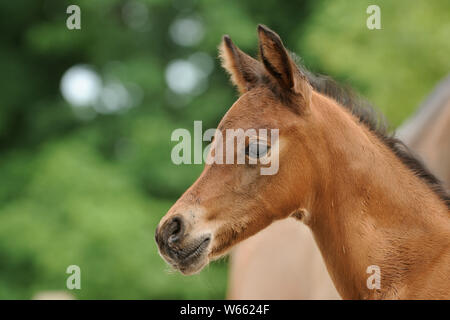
(243, 69)
(279, 64)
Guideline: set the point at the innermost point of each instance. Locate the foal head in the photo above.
(230, 202)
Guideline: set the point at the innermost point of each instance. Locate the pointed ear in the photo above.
(279, 64)
(244, 71)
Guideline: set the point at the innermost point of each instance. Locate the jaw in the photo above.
(195, 262)
(193, 268)
(188, 267)
(191, 259)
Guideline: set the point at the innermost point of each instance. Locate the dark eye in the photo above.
(256, 150)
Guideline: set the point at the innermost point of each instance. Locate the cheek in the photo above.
(249, 177)
(236, 229)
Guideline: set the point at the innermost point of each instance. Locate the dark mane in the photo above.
(376, 123)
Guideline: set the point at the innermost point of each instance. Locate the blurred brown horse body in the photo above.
(259, 269)
(271, 265)
(428, 132)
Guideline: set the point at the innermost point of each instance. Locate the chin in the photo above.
(193, 268)
(191, 263)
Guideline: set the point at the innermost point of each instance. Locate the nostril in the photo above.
(175, 230)
(173, 239)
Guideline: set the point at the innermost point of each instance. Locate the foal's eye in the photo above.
(256, 150)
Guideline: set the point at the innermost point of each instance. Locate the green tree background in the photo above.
(88, 185)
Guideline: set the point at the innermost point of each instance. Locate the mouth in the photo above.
(192, 259)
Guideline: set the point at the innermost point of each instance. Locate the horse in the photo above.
(428, 132)
(369, 203)
(258, 269)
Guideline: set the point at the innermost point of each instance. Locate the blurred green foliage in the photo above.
(395, 67)
(90, 190)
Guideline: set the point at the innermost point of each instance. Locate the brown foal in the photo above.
(366, 200)
(258, 269)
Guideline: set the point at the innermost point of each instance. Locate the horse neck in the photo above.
(370, 209)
